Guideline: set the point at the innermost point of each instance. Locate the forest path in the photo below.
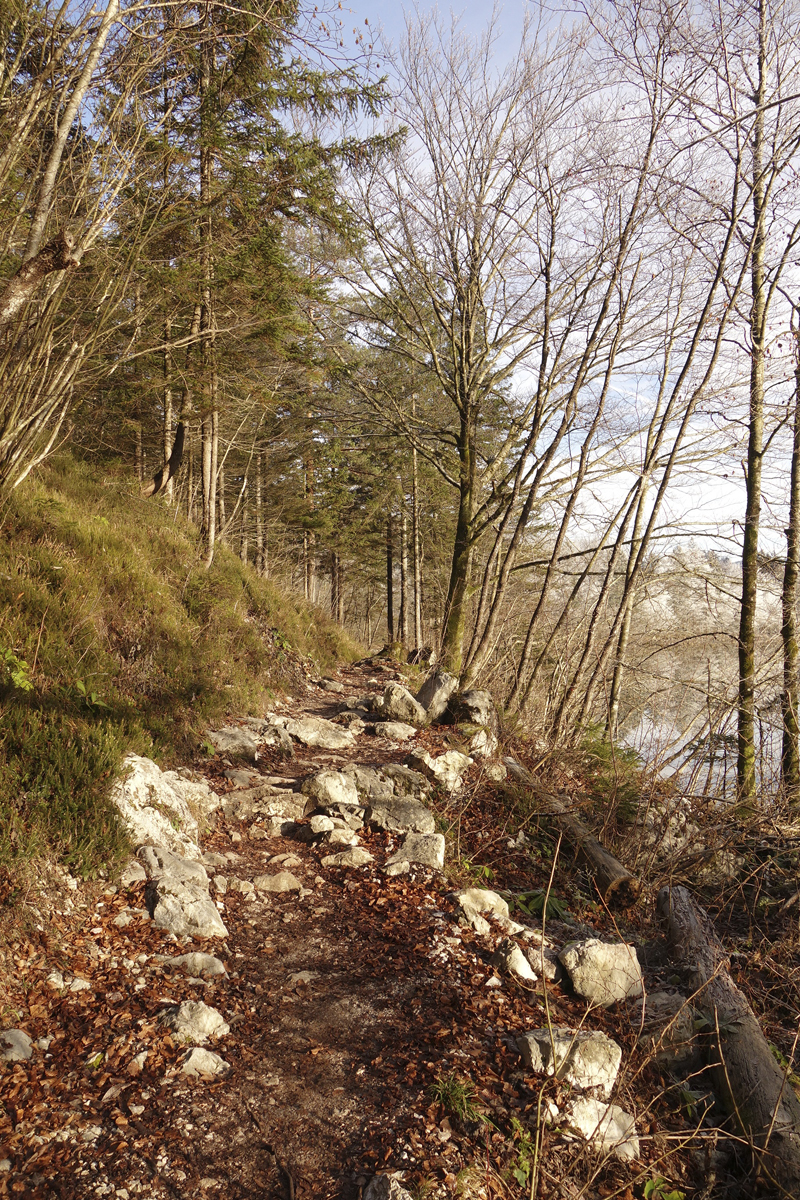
(353, 1004)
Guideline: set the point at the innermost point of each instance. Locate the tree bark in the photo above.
(746, 745)
(390, 578)
(55, 256)
(261, 555)
(790, 745)
(614, 882)
(415, 542)
(750, 1081)
(402, 631)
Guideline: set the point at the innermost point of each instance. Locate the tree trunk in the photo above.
(790, 745)
(746, 746)
(168, 440)
(261, 553)
(221, 517)
(415, 544)
(455, 619)
(390, 578)
(55, 256)
(753, 1086)
(402, 631)
(614, 882)
(243, 532)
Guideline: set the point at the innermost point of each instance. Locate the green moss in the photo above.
(130, 643)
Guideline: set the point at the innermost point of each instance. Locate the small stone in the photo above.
(607, 1127)
(397, 868)
(302, 977)
(284, 881)
(194, 1021)
(396, 731)
(424, 848)
(583, 1058)
(385, 1187)
(79, 985)
(509, 958)
(603, 972)
(5, 1164)
(123, 919)
(234, 741)
(235, 837)
(19, 1047)
(342, 837)
(316, 731)
(321, 824)
(203, 1062)
(55, 980)
(355, 856)
(195, 963)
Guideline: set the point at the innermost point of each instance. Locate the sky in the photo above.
(388, 16)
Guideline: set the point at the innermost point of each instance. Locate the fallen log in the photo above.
(751, 1084)
(614, 882)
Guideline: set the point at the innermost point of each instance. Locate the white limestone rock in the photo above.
(446, 769)
(157, 861)
(478, 903)
(584, 1059)
(399, 705)
(424, 848)
(235, 741)
(316, 731)
(607, 1127)
(194, 1022)
(396, 731)
(18, 1046)
(161, 808)
(284, 881)
(354, 856)
(370, 784)
(400, 815)
(509, 958)
(195, 964)
(476, 708)
(328, 788)
(435, 694)
(405, 782)
(198, 1062)
(603, 972)
(185, 909)
(385, 1187)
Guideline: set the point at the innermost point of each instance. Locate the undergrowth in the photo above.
(115, 637)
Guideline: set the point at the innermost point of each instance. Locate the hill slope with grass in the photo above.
(115, 637)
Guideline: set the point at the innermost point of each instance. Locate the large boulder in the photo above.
(162, 808)
(602, 972)
(263, 801)
(317, 732)
(582, 1058)
(435, 694)
(477, 904)
(399, 705)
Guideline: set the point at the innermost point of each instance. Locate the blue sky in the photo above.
(389, 16)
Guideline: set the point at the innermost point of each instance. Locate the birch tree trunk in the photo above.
(790, 743)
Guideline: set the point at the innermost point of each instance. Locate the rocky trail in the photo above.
(324, 997)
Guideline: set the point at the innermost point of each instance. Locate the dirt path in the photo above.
(347, 1005)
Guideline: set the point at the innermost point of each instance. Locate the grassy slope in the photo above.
(130, 643)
